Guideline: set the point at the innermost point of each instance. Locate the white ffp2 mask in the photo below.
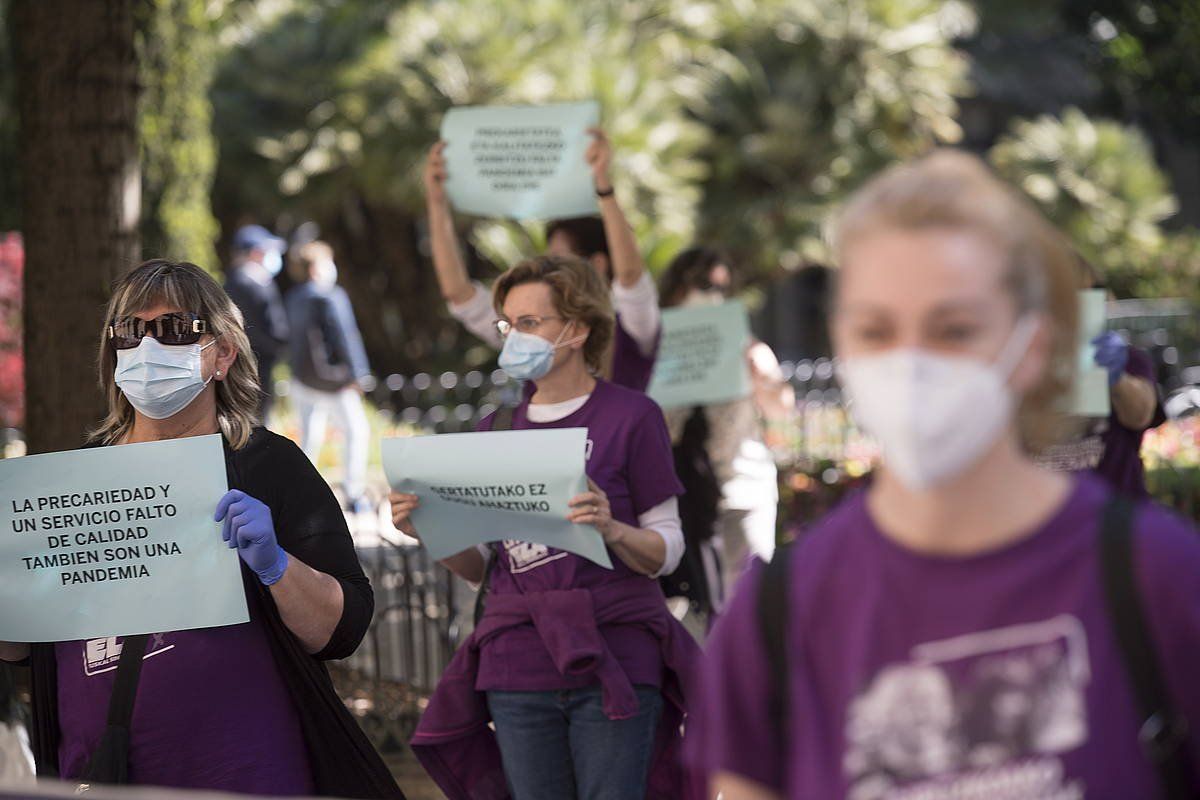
(934, 415)
(160, 380)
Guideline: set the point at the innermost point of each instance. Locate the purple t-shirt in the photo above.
(992, 676)
(631, 367)
(629, 457)
(1107, 447)
(211, 712)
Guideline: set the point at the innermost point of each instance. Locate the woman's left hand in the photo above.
(249, 528)
(592, 508)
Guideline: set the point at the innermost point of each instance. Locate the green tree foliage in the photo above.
(176, 61)
(1099, 182)
(1151, 55)
(816, 97)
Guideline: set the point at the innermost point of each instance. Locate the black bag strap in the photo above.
(1164, 734)
(109, 761)
(502, 421)
(129, 671)
(773, 607)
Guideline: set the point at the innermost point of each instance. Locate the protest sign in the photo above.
(520, 162)
(1090, 395)
(115, 541)
(702, 356)
(495, 486)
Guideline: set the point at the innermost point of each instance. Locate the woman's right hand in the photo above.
(434, 176)
(402, 507)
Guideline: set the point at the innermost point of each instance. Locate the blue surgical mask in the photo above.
(528, 357)
(160, 380)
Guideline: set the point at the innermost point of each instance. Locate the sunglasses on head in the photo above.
(126, 333)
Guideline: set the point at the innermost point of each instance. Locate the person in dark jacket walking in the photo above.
(257, 259)
(242, 708)
(329, 365)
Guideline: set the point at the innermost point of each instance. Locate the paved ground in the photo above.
(412, 778)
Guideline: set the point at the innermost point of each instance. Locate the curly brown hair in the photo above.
(579, 293)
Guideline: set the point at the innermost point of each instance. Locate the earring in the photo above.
(218, 373)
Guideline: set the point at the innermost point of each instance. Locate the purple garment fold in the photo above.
(631, 367)
(458, 749)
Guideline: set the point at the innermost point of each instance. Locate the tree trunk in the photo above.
(76, 76)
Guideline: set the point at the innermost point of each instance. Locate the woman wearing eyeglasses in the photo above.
(244, 708)
(581, 669)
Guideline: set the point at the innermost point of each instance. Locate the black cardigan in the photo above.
(310, 526)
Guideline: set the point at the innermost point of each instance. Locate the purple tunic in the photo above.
(212, 712)
(991, 676)
(629, 457)
(631, 368)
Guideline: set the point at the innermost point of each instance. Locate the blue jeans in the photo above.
(558, 745)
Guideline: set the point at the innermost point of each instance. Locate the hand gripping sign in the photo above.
(493, 486)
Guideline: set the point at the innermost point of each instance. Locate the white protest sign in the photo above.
(1090, 393)
(115, 541)
(492, 486)
(702, 356)
(520, 162)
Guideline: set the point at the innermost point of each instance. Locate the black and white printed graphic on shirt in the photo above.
(980, 715)
(524, 556)
(102, 655)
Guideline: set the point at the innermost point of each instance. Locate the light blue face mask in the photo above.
(160, 380)
(528, 357)
(272, 262)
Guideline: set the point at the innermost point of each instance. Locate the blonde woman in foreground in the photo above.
(952, 631)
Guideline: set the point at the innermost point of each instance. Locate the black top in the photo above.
(262, 310)
(310, 526)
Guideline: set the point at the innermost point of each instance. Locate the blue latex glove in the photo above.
(1112, 353)
(248, 527)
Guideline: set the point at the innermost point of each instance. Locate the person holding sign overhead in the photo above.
(730, 433)
(1111, 445)
(969, 625)
(606, 242)
(242, 708)
(582, 670)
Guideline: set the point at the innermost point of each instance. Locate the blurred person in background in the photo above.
(329, 365)
(607, 242)
(16, 759)
(730, 434)
(969, 621)
(581, 670)
(1111, 447)
(250, 282)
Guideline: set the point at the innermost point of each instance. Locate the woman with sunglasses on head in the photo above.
(968, 625)
(243, 708)
(578, 667)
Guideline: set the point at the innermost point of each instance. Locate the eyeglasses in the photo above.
(530, 323)
(126, 333)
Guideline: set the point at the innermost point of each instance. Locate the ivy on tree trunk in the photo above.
(76, 75)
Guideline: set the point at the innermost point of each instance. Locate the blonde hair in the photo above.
(301, 262)
(188, 288)
(953, 190)
(579, 294)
